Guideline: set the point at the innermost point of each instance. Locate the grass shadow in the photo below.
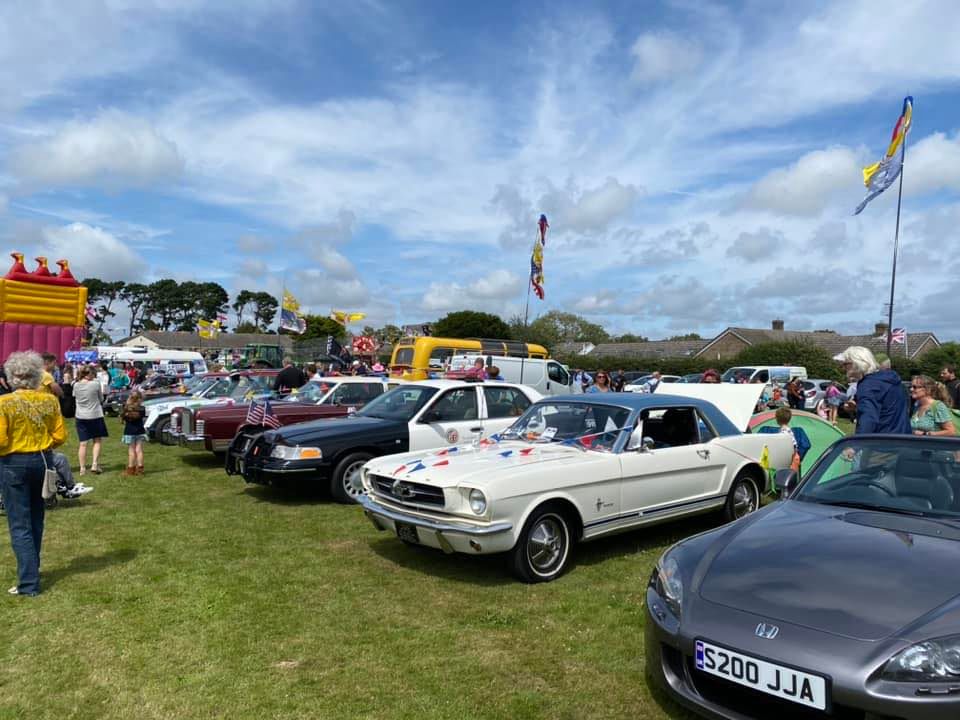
(489, 570)
(642, 540)
(293, 495)
(87, 564)
(202, 460)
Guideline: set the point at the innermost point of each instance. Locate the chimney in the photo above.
(778, 325)
(880, 329)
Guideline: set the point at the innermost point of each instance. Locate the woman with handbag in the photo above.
(30, 426)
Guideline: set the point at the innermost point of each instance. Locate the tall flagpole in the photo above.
(896, 246)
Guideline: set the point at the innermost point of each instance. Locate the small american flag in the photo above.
(255, 414)
(269, 418)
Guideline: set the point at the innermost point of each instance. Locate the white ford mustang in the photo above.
(576, 468)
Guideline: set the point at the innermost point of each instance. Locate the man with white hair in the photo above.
(881, 404)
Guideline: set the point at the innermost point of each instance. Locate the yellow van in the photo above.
(414, 358)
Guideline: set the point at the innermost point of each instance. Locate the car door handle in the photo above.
(476, 429)
(703, 453)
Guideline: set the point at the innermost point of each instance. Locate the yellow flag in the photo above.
(765, 458)
(344, 317)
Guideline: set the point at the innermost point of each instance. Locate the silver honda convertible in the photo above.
(840, 601)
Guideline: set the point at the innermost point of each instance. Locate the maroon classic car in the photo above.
(213, 427)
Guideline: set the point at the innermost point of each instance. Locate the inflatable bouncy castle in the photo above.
(40, 310)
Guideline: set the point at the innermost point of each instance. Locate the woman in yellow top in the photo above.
(30, 425)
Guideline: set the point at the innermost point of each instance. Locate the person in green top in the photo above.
(931, 407)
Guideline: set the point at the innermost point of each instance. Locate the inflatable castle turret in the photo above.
(41, 310)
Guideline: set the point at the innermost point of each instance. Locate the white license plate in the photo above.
(782, 682)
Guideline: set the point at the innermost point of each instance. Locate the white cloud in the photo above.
(490, 292)
(807, 186)
(92, 252)
(933, 164)
(663, 55)
(114, 150)
(763, 243)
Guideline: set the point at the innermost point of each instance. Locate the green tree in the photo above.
(244, 299)
(630, 338)
(264, 309)
(933, 361)
(212, 300)
(818, 362)
(471, 324)
(163, 302)
(246, 327)
(319, 326)
(100, 296)
(688, 336)
(137, 298)
(556, 327)
(388, 334)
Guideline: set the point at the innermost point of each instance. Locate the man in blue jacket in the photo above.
(881, 404)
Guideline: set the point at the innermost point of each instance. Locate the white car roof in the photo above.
(350, 379)
(445, 384)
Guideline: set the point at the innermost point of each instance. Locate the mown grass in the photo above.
(185, 594)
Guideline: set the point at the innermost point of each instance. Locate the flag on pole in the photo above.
(536, 258)
(255, 414)
(290, 315)
(897, 335)
(270, 418)
(881, 175)
(222, 319)
(91, 313)
(346, 317)
(208, 329)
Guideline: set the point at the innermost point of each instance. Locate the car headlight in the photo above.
(668, 584)
(286, 452)
(931, 660)
(478, 502)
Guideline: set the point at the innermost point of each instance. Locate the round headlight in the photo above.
(478, 502)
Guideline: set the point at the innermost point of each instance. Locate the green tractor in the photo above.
(255, 355)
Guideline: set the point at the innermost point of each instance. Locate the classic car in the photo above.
(213, 427)
(224, 389)
(415, 416)
(839, 601)
(575, 468)
(158, 386)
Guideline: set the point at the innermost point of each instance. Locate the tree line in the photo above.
(170, 305)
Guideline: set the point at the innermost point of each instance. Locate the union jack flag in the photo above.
(898, 335)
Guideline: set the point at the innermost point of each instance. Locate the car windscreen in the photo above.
(313, 392)
(738, 374)
(404, 356)
(594, 425)
(895, 474)
(401, 403)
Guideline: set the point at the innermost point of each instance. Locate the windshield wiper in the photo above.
(868, 506)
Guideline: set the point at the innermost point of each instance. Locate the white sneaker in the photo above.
(76, 491)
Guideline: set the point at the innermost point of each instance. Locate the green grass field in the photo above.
(186, 594)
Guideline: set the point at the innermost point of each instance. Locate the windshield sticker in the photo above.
(549, 433)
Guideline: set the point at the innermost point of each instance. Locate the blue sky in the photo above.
(699, 162)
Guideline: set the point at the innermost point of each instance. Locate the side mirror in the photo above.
(786, 482)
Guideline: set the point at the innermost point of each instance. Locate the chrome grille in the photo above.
(406, 492)
(186, 421)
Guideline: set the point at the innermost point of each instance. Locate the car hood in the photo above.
(858, 574)
(736, 401)
(314, 431)
(478, 465)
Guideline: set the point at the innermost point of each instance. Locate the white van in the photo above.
(180, 362)
(548, 377)
(767, 374)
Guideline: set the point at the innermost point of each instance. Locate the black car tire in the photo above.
(345, 474)
(546, 534)
(743, 498)
(163, 424)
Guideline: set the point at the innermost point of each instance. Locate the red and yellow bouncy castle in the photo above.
(40, 310)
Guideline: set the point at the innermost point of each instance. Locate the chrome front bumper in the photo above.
(192, 442)
(383, 518)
